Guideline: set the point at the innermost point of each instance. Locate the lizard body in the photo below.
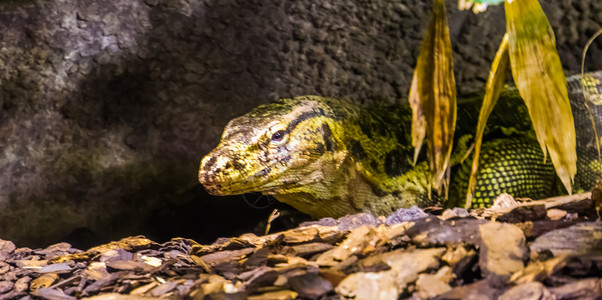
(329, 157)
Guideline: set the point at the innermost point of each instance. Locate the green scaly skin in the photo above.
(329, 157)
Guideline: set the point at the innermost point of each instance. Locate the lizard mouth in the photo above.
(231, 186)
(234, 188)
(254, 183)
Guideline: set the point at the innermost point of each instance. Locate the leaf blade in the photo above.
(494, 86)
(540, 80)
(436, 91)
(418, 121)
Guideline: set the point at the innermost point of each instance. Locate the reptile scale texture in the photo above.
(329, 158)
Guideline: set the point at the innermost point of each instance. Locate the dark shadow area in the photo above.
(187, 67)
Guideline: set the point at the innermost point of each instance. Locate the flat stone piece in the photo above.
(579, 238)
(6, 248)
(116, 254)
(132, 243)
(357, 220)
(115, 296)
(360, 240)
(6, 286)
(533, 229)
(225, 256)
(310, 285)
(584, 206)
(130, 265)
(313, 233)
(48, 293)
(405, 267)
(432, 231)
(590, 288)
(528, 291)
(59, 247)
(308, 249)
(276, 295)
(429, 286)
(262, 276)
(406, 214)
(59, 268)
(503, 250)
(524, 213)
(163, 288)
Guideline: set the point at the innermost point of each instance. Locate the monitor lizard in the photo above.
(328, 157)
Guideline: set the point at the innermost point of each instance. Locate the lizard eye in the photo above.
(278, 136)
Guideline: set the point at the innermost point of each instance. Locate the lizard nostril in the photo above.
(208, 162)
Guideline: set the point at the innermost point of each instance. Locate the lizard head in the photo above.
(269, 148)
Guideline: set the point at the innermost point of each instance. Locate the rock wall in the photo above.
(107, 107)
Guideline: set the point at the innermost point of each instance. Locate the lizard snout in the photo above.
(221, 170)
(209, 170)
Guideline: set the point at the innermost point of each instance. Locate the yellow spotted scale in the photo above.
(329, 157)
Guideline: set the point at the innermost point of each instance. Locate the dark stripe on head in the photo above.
(302, 117)
(209, 163)
(328, 139)
(357, 151)
(396, 163)
(319, 149)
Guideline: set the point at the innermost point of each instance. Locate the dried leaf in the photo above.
(590, 90)
(436, 92)
(540, 80)
(273, 216)
(587, 45)
(538, 270)
(418, 123)
(43, 281)
(495, 84)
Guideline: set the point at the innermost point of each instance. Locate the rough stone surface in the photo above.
(106, 108)
(577, 239)
(503, 251)
(528, 291)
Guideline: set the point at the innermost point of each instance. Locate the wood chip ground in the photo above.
(536, 250)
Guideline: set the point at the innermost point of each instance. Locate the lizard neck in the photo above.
(370, 170)
(355, 192)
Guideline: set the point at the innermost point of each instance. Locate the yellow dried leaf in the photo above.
(43, 281)
(540, 80)
(495, 84)
(436, 91)
(418, 125)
